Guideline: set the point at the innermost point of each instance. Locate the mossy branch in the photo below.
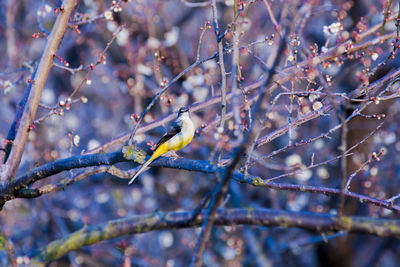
(318, 222)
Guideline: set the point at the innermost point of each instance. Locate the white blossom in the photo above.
(333, 29)
(108, 15)
(77, 139)
(123, 37)
(171, 37)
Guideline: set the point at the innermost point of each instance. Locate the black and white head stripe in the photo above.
(183, 110)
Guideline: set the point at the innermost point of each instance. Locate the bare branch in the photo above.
(53, 168)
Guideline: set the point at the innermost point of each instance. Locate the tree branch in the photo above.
(18, 187)
(318, 222)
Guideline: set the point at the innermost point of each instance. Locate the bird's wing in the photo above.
(175, 128)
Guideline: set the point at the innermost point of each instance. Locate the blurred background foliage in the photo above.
(158, 40)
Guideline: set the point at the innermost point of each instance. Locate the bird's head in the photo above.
(183, 110)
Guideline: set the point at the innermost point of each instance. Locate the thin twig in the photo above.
(371, 159)
(100, 60)
(88, 20)
(220, 62)
(196, 4)
(72, 70)
(311, 166)
(270, 13)
(343, 165)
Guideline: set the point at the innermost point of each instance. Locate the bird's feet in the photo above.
(172, 154)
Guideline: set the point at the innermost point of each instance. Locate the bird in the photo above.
(180, 134)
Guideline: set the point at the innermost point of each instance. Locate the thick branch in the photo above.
(183, 219)
(58, 166)
(17, 188)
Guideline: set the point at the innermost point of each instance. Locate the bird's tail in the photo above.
(158, 152)
(147, 163)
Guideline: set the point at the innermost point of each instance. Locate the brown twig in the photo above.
(270, 13)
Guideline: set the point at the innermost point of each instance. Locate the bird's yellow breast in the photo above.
(177, 142)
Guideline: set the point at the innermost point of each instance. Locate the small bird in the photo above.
(178, 136)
